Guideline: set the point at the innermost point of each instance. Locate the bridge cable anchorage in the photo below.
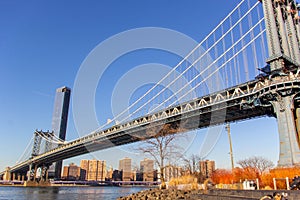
(173, 69)
(198, 59)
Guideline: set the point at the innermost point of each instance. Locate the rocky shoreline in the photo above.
(156, 193)
(211, 194)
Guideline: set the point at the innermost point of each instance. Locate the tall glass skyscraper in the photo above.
(60, 119)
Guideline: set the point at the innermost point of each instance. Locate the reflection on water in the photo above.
(63, 193)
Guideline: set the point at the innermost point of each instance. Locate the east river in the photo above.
(64, 193)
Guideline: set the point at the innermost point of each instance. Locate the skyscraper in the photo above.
(60, 119)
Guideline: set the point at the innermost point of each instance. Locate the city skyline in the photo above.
(98, 170)
(40, 54)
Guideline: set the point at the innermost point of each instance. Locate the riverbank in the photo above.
(212, 194)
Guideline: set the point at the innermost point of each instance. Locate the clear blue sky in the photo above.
(43, 44)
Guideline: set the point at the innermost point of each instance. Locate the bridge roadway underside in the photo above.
(195, 119)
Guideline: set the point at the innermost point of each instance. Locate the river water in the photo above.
(65, 193)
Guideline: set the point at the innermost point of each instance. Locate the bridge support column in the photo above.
(44, 173)
(13, 176)
(34, 173)
(289, 154)
(7, 175)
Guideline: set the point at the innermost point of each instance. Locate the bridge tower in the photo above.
(36, 150)
(283, 36)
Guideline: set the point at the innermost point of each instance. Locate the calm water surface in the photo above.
(64, 193)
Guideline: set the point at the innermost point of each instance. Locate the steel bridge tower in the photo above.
(283, 35)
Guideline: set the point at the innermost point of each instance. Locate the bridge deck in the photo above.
(233, 104)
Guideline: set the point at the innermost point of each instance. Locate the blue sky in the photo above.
(43, 44)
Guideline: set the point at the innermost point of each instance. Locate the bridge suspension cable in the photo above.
(215, 64)
(173, 69)
(206, 78)
(51, 140)
(26, 152)
(241, 50)
(209, 69)
(54, 139)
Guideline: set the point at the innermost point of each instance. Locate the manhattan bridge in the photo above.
(248, 66)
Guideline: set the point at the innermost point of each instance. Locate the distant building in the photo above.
(65, 173)
(135, 174)
(74, 172)
(172, 171)
(109, 175)
(125, 168)
(71, 172)
(117, 175)
(93, 170)
(101, 170)
(147, 169)
(84, 165)
(59, 122)
(207, 167)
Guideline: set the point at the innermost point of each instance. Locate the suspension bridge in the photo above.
(246, 67)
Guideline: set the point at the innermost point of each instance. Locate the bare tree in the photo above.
(257, 163)
(161, 147)
(192, 164)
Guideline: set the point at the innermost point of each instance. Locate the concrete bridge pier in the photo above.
(7, 175)
(37, 179)
(285, 111)
(19, 177)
